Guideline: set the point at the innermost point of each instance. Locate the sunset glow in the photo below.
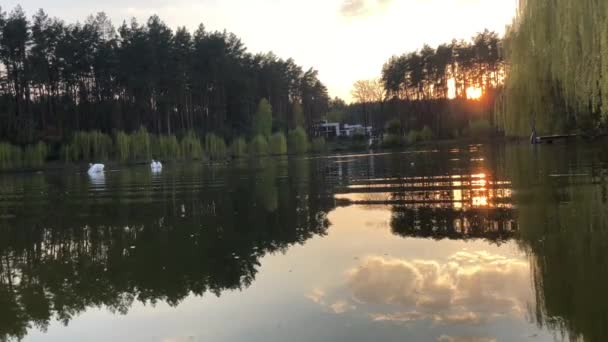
(333, 45)
(474, 93)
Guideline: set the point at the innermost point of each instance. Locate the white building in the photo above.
(335, 129)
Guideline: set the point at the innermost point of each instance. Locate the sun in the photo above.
(474, 93)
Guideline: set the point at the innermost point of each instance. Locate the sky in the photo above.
(345, 40)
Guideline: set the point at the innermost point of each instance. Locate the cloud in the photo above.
(342, 306)
(318, 296)
(361, 8)
(468, 288)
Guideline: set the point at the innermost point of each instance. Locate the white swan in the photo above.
(156, 165)
(96, 168)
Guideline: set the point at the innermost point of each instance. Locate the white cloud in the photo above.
(469, 288)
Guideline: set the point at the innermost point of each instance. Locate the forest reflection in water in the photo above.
(69, 244)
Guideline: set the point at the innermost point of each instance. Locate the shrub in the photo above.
(277, 144)
(68, 153)
(258, 146)
(238, 148)
(479, 128)
(393, 127)
(140, 145)
(426, 134)
(168, 148)
(413, 137)
(298, 141)
(262, 121)
(90, 145)
(122, 142)
(10, 156)
(35, 155)
(391, 140)
(215, 147)
(191, 147)
(318, 145)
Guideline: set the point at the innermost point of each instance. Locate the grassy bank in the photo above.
(142, 146)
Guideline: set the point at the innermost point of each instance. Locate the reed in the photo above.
(258, 146)
(168, 148)
(298, 141)
(122, 144)
(90, 145)
(215, 147)
(35, 155)
(277, 144)
(140, 145)
(191, 147)
(10, 156)
(238, 148)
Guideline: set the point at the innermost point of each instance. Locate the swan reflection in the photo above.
(97, 180)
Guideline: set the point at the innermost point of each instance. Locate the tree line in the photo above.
(442, 92)
(558, 62)
(448, 71)
(58, 78)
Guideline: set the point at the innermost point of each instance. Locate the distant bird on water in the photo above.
(95, 168)
(156, 165)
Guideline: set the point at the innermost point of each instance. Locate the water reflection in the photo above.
(80, 253)
(98, 180)
(564, 229)
(468, 288)
(415, 240)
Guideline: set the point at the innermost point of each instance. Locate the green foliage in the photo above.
(35, 155)
(426, 133)
(336, 115)
(10, 156)
(89, 146)
(171, 81)
(191, 147)
(393, 127)
(68, 153)
(238, 148)
(168, 148)
(277, 144)
(122, 144)
(258, 146)
(298, 141)
(318, 145)
(479, 128)
(557, 52)
(298, 115)
(392, 140)
(140, 145)
(215, 147)
(413, 137)
(428, 72)
(262, 122)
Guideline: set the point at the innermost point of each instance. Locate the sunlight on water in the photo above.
(503, 244)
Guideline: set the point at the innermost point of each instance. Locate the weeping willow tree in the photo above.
(557, 57)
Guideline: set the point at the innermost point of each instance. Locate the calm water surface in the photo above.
(466, 243)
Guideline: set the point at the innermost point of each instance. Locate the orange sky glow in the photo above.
(346, 40)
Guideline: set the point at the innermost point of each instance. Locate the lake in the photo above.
(449, 244)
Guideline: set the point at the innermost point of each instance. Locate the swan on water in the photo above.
(156, 165)
(96, 168)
